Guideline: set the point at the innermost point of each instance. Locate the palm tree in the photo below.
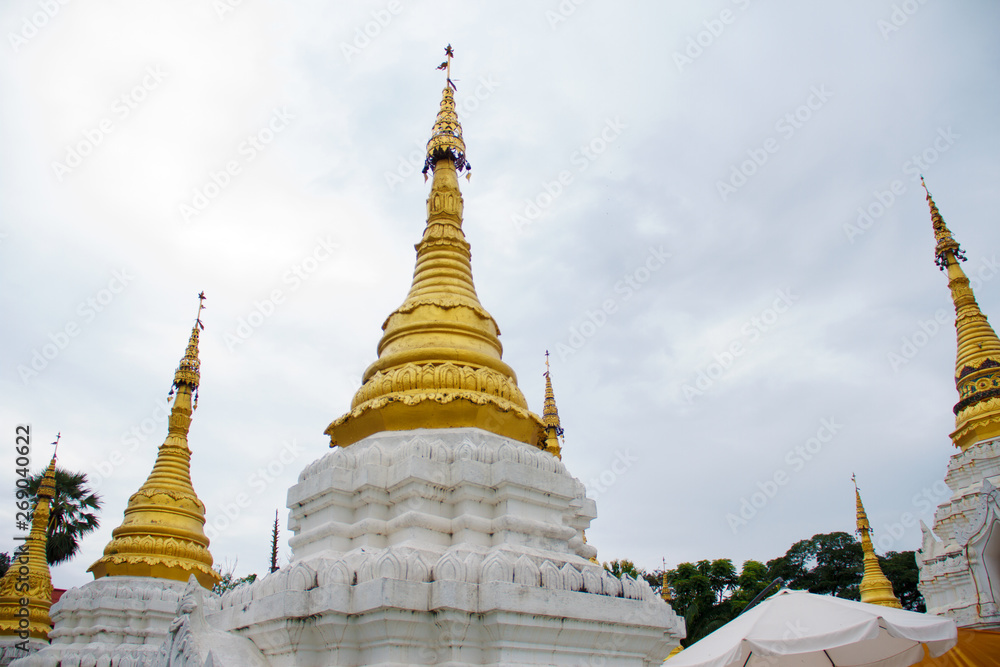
(73, 513)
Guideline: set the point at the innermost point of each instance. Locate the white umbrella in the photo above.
(800, 629)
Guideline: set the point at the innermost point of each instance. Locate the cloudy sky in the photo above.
(707, 211)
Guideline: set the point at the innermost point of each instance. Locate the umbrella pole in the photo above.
(763, 594)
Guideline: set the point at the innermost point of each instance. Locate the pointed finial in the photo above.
(550, 415)
(189, 370)
(56, 444)
(946, 243)
(446, 136)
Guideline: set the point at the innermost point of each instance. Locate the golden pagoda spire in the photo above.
(665, 590)
(163, 533)
(26, 588)
(875, 586)
(977, 366)
(439, 363)
(550, 416)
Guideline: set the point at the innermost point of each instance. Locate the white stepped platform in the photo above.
(444, 547)
(111, 621)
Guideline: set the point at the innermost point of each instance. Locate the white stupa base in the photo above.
(959, 572)
(112, 621)
(444, 547)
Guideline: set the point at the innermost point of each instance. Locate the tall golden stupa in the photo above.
(27, 584)
(439, 360)
(163, 532)
(977, 366)
(875, 586)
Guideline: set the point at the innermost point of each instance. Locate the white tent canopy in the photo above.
(801, 629)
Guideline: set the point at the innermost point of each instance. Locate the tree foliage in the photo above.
(826, 564)
(622, 567)
(901, 569)
(709, 594)
(228, 579)
(73, 513)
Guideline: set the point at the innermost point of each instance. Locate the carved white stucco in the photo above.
(960, 560)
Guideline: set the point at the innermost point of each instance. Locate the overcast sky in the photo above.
(708, 212)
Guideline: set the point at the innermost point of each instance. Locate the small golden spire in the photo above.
(163, 533)
(440, 359)
(550, 416)
(977, 364)
(28, 579)
(665, 590)
(875, 586)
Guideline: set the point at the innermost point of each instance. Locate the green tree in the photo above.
(826, 564)
(622, 567)
(901, 569)
(230, 581)
(73, 513)
(702, 594)
(753, 579)
(4, 563)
